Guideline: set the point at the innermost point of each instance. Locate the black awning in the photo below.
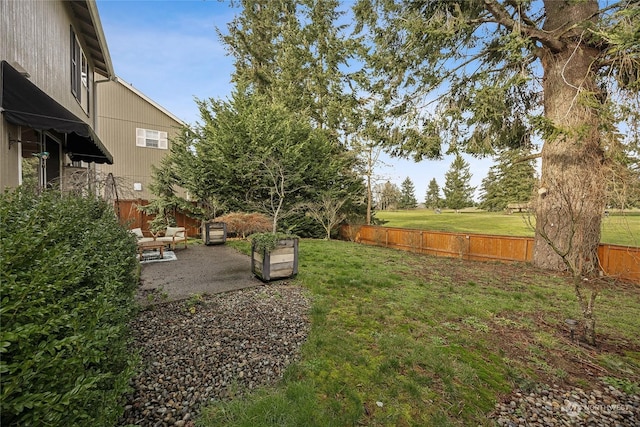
(25, 104)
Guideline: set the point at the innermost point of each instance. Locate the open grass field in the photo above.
(617, 228)
(401, 339)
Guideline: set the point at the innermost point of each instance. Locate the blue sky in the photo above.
(170, 51)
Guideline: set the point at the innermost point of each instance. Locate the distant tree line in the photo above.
(510, 181)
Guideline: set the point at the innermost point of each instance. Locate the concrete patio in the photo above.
(199, 269)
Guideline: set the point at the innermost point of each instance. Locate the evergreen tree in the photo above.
(407, 195)
(255, 155)
(623, 179)
(511, 180)
(166, 202)
(491, 192)
(458, 192)
(432, 199)
(295, 53)
(501, 71)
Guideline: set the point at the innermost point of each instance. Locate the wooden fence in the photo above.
(622, 262)
(128, 214)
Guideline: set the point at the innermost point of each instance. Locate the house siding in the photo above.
(121, 109)
(36, 35)
(10, 156)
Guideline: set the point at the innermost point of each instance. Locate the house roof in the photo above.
(149, 100)
(86, 12)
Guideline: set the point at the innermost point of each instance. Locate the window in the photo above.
(84, 79)
(151, 138)
(84, 72)
(75, 66)
(79, 73)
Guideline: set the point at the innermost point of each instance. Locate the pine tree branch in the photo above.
(503, 18)
(527, 158)
(525, 18)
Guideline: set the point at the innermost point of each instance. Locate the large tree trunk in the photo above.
(571, 199)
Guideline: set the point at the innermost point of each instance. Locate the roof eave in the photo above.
(95, 17)
(87, 12)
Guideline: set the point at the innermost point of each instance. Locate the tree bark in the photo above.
(571, 198)
(369, 192)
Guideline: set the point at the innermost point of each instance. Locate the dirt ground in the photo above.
(199, 269)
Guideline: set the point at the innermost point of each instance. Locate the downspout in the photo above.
(95, 100)
(95, 112)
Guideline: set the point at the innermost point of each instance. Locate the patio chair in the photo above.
(173, 236)
(140, 235)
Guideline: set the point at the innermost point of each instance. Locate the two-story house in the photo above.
(51, 53)
(138, 132)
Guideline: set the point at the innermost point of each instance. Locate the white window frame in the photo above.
(149, 138)
(84, 82)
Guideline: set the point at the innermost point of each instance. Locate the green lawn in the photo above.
(405, 339)
(617, 229)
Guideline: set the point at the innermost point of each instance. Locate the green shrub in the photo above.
(266, 242)
(67, 276)
(303, 226)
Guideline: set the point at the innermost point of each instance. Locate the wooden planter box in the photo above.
(214, 233)
(280, 263)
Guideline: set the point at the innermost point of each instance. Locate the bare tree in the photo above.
(371, 154)
(278, 191)
(327, 212)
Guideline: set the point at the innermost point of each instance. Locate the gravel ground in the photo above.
(553, 406)
(206, 348)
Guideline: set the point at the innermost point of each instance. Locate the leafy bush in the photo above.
(68, 281)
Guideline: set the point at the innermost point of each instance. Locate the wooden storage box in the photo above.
(214, 233)
(280, 263)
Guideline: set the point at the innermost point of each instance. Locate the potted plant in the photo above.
(274, 255)
(214, 232)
